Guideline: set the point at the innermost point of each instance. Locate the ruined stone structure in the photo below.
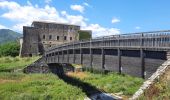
(42, 35)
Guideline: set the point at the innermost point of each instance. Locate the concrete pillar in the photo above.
(119, 56)
(103, 59)
(74, 58)
(119, 60)
(62, 56)
(143, 73)
(58, 56)
(91, 55)
(67, 55)
(81, 55)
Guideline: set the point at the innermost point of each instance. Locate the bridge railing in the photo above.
(156, 39)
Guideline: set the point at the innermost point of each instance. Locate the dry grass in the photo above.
(160, 90)
(80, 75)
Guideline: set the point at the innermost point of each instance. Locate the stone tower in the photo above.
(42, 35)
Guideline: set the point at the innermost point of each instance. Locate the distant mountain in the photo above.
(7, 35)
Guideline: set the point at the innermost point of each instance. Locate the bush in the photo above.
(10, 49)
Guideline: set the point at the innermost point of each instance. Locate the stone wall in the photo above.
(155, 76)
(43, 35)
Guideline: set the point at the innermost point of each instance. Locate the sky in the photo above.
(103, 17)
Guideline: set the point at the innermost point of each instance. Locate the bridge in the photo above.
(137, 54)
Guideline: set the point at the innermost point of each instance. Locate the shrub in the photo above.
(10, 49)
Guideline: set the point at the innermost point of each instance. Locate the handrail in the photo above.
(156, 39)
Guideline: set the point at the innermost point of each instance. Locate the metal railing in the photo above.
(154, 39)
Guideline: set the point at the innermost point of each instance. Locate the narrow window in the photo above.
(50, 37)
(58, 37)
(43, 36)
(65, 37)
(70, 38)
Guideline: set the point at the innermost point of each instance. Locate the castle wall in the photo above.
(43, 35)
(30, 41)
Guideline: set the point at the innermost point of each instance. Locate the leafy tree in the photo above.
(10, 49)
(84, 35)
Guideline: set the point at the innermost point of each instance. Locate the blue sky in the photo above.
(103, 17)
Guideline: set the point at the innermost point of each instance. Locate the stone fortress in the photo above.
(42, 35)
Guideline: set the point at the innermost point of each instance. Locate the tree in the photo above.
(10, 49)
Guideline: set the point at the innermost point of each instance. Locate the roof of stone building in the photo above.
(50, 22)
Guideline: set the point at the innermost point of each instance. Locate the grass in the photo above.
(8, 64)
(19, 86)
(111, 83)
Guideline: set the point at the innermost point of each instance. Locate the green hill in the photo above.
(7, 35)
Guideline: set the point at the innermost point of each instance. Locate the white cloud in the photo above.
(3, 27)
(24, 15)
(74, 19)
(86, 4)
(115, 20)
(137, 27)
(48, 1)
(101, 31)
(77, 8)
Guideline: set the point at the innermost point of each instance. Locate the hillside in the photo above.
(7, 35)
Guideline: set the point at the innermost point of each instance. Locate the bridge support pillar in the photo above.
(74, 58)
(68, 56)
(62, 57)
(119, 60)
(58, 56)
(91, 59)
(81, 57)
(143, 73)
(91, 56)
(103, 59)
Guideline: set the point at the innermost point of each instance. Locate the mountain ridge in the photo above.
(7, 35)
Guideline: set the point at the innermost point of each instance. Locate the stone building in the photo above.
(42, 35)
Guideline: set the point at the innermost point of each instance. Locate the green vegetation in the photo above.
(8, 64)
(10, 49)
(7, 35)
(19, 86)
(84, 35)
(111, 82)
